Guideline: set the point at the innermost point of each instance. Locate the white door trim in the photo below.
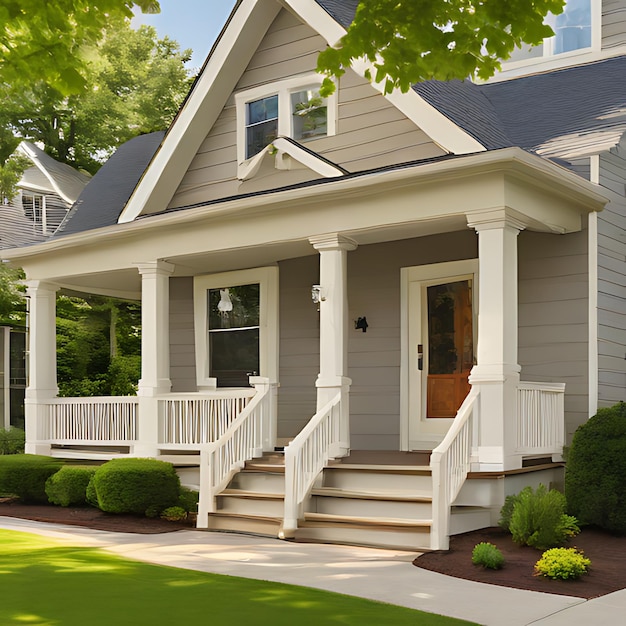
(423, 274)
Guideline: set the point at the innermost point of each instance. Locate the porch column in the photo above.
(332, 379)
(497, 372)
(155, 352)
(42, 363)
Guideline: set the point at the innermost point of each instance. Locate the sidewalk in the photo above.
(384, 575)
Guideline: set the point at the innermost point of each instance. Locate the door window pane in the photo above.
(234, 334)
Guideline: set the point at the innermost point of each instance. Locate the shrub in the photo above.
(174, 514)
(539, 520)
(25, 475)
(507, 511)
(12, 441)
(487, 555)
(562, 563)
(69, 485)
(188, 500)
(595, 470)
(140, 486)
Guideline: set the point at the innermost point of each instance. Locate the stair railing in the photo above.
(450, 464)
(242, 441)
(305, 458)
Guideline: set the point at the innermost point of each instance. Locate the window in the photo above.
(35, 209)
(572, 32)
(236, 327)
(290, 108)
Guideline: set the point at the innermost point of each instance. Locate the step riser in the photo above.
(266, 528)
(408, 540)
(378, 482)
(259, 482)
(250, 506)
(370, 508)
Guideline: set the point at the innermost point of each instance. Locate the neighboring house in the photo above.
(45, 193)
(389, 272)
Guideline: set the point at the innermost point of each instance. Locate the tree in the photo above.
(51, 41)
(136, 85)
(12, 302)
(408, 41)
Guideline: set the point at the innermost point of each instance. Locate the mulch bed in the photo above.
(606, 574)
(91, 517)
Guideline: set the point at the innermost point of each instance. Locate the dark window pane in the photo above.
(262, 110)
(234, 307)
(260, 136)
(233, 356)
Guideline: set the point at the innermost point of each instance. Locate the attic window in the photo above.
(573, 30)
(35, 209)
(289, 108)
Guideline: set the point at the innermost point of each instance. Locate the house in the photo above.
(433, 279)
(46, 191)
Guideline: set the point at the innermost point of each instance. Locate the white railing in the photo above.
(450, 463)
(306, 456)
(194, 419)
(95, 421)
(241, 441)
(540, 418)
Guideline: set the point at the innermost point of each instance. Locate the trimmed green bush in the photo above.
(188, 500)
(487, 555)
(12, 440)
(140, 486)
(174, 514)
(562, 563)
(69, 485)
(595, 470)
(25, 475)
(539, 520)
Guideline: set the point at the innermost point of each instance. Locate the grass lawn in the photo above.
(47, 583)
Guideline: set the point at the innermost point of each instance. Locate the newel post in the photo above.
(333, 307)
(497, 372)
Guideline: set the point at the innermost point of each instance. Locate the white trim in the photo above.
(6, 389)
(592, 259)
(267, 277)
(425, 275)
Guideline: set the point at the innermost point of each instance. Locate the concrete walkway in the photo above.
(384, 575)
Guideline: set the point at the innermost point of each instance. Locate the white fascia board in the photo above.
(32, 156)
(443, 131)
(241, 37)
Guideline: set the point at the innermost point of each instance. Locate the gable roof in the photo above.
(50, 176)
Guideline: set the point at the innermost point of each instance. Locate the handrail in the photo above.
(450, 464)
(220, 460)
(306, 456)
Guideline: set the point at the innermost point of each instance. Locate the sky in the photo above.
(194, 24)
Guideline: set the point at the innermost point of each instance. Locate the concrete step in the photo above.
(251, 524)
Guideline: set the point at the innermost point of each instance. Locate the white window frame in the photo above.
(549, 61)
(267, 278)
(283, 89)
(43, 221)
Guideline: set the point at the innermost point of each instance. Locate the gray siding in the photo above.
(553, 316)
(182, 341)
(370, 131)
(613, 23)
(612, 280)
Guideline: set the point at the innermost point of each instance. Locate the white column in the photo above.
(332, 377)
(497, 372)
(42, 363)
(155, 352)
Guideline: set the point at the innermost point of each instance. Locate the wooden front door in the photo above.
(450, 346)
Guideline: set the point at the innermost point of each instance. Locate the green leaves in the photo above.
(409, 41)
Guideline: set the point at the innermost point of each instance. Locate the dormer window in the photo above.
(34, 206)
(573, 32)
(290, 108)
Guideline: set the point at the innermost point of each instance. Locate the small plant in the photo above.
(562, 564)
(12, 440)
(188, 500)
(537, 518)
(174, 514)
(487, 555)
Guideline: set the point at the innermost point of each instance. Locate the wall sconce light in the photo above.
(361, 324)
(316, 295)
